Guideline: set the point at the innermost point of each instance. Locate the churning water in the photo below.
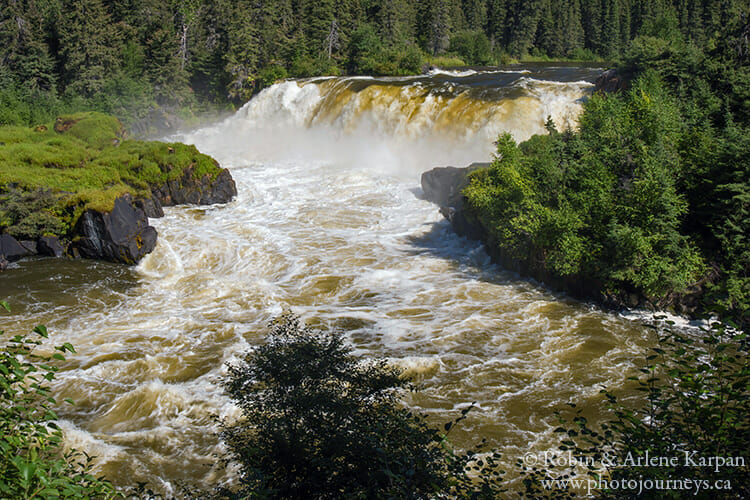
(329, 223)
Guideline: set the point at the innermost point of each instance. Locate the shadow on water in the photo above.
(471, 260)
(40, 285)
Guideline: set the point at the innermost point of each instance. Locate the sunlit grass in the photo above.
(85, 161)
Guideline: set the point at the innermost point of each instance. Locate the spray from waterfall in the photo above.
(397, 124)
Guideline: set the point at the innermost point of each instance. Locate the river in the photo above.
(329, 224)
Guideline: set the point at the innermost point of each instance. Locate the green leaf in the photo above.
(41, 330)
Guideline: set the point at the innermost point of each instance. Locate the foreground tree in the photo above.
(32, 464)
(317, 422)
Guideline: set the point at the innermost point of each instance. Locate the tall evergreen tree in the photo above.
(23, 49)
(91, 46)
(438, 25)
(475, 13)
(497, 22)
(396, 21)
(572, 29)
(524, 25)
(243, 52)
(319, 16)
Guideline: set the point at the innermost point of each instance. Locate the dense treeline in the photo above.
(125, 56)
(651, 196)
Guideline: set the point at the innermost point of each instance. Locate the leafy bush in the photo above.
(32, 465)
(29, 215)
(271, 74)
(317, 422)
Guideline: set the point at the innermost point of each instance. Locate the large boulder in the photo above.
(150, 206)
(611, 81)
(10, 249)
(122, 235)
(443, 186)
(50, 246)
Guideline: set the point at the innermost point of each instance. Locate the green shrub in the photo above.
(602, 203)
(29, 215)
(317, 422)
(472, 46)
(32, 465)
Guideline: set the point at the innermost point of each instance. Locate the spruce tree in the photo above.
(475, 13)
(572, 29)
(524, 25)
(396, 21)
(243, 52)
(91, 46)
(23, 49)
(497, 22)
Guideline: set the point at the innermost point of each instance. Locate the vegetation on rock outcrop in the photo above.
(52, 174)
(650, 195)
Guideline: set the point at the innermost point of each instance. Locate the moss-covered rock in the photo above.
(53, 174)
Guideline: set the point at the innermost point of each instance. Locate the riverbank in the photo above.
(445, 187)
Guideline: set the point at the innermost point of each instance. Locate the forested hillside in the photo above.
(128, 56)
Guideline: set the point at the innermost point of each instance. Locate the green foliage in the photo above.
(271, 74)
(91, 46)
(369, 55)
(49, 177)
(601, 203)
(471, 46)
(31, 214)
(317, 422)
(696, 407)
(130, 58)
(32, 464)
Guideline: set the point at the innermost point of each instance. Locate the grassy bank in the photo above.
(53, 172)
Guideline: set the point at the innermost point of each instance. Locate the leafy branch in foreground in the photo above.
(318, 422)
(691, 432)
(32, 464)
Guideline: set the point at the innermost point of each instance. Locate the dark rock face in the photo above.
(30, 246)
(611, 81)
(10, 249)
(151, 207)
(203, 191)
(122, 235)
(443, 186)
(50, 246)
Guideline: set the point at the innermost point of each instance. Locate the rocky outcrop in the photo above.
(50, 246)
(444, 185)
(12, 250)
(611, 81)
(91, 221)
(122, 235)
(203, 191)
